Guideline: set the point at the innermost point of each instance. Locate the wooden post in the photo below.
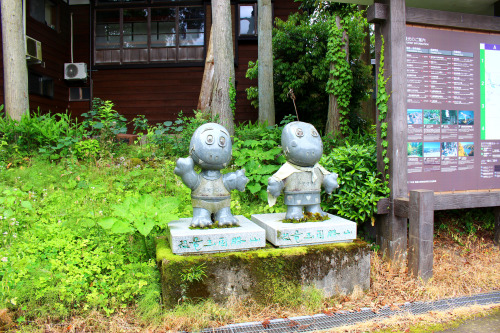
(15, 70)
(421, 215)
(497, 226)
(223, 62)
(265, 56)
(391, 229)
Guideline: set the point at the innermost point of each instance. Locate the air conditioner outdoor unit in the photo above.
(33, 50)
(75, 71)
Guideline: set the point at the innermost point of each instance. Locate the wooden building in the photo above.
(147, 56)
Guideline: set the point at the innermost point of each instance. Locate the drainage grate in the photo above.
(323, 322)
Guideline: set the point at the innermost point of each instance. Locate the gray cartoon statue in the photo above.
(211, 149)
(301, 176)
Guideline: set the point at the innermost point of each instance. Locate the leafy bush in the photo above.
(103, 123)
(53, 135)
(360, 187)
(257, 148)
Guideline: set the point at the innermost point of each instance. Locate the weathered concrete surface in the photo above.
(487, 324)
(265, 274)
(335, 229)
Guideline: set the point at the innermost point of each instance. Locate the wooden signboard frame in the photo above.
(391, 18)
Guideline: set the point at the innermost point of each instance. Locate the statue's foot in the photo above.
(225, 217)
(201, 218)
(294, 213)
(315, 209)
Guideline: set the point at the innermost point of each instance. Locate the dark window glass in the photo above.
(135, 28)
(45, 11)
(163, 27)
(107, 30)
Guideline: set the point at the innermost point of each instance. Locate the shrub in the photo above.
(360, 187)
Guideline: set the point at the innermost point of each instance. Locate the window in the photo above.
(79, 93)
(45, 11)
(149, 35)
(40, 85)
(247, 18)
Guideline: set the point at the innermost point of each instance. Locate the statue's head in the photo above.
(301, 144)
(211, 147)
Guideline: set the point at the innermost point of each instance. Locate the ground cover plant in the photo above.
(78, 231)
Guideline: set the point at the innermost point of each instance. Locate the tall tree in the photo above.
(16, 97)
(223, 62)
(265, 54)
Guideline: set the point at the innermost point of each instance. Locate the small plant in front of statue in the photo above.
(301, 177)
(211, 149)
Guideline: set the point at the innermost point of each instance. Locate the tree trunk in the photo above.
(223, 62)
(205, 99)
(15, 77)
(265, 55)
(368, 106)
(333, 119)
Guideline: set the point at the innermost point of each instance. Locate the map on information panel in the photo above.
(453, 115)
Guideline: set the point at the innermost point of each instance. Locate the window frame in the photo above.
(149, 51)
(238, 23)
(56, 20)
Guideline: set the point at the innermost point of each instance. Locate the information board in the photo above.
(453, 115)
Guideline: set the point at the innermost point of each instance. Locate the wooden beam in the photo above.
(421, 235)
(466, 200)
(452, 19)
(376, 13)
(383, 206)
(496, 240)
(391, 229)
(445, 201)
(401, 207)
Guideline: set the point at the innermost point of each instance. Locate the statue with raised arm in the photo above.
(211, 149)
(301, 177)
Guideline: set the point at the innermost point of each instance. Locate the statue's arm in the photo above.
(274, 187)
(330, 182)
(185, 169)
(235, 180)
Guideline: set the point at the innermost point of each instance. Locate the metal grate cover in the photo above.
(323, 322)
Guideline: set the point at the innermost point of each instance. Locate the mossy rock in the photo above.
(269, 275)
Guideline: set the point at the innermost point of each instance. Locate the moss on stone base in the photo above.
(269, 275)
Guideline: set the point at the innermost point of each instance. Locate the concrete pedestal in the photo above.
(333, 230)
(186, 241)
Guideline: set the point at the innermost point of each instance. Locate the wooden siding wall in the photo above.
(158, 93)
(55, 52)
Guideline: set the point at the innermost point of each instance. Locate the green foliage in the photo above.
(52, 135)
(173, 138)
(257, 149)
(87, 149)
(104, 123)
(303, 47)
(140, 124)
(382, 100)
(232, 96)
(359, 185)
(253, 92)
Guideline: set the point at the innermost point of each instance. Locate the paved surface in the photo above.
(489, 324)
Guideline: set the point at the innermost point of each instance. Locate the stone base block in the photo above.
(186, 241)
(269, 275)
(333, 230)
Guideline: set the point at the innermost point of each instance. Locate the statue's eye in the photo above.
(314, 133)
(222, 141)
(210, 139)
(299, 132)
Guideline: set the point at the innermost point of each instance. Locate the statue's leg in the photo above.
(201, 217)
(313, 209)
(225, 217)
(294, 212)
